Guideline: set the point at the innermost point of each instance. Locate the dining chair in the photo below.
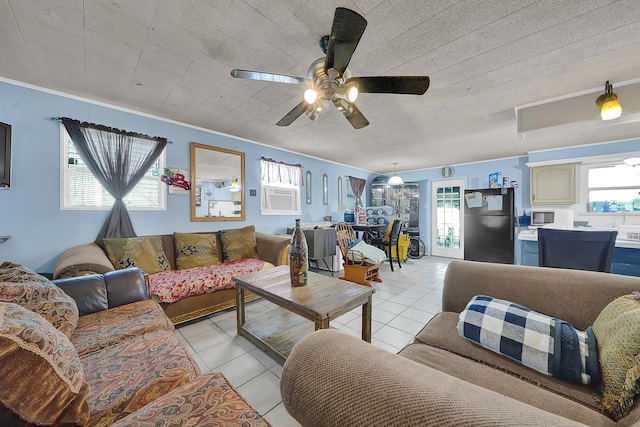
(390, 240)
(576, 250)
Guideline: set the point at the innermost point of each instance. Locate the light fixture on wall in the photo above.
(395, 179)
(610, 108)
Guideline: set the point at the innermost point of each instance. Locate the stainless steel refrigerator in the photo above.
(489, 225)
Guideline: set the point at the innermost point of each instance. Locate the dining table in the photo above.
(369, 231)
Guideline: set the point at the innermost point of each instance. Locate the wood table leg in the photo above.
(322, 324)
(366, 320)
(240, 307)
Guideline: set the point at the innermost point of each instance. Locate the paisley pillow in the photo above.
(39, 362)
(22, 286)
(196, 250)
(145, 253)
(239, 243)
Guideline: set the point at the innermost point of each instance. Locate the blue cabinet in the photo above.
(626, 261)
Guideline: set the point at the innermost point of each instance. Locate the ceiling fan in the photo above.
(329, 78)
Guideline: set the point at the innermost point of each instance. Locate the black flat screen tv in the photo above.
(5, 155)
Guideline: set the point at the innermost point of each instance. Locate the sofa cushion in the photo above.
(42, 379)
(22, 286)
(125, 377)
(196, 250)
(171, 286)
(441, 332)
(143, 252)
(617, 329)
(106, 328)
(541, 342)
(238, 243)
(207, 400)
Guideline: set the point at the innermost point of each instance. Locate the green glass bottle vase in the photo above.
(298, 257)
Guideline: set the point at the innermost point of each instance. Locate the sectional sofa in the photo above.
(96, 351)
(443, 379)
(181, 261)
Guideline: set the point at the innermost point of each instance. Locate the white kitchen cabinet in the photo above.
(554, 184)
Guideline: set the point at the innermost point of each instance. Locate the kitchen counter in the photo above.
(532, 235)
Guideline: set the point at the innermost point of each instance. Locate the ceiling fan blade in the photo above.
(292, 115)
(356, 118)
(407, 85)
(348, 27)
(268, 77)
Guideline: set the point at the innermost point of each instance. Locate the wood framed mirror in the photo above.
(217, 184)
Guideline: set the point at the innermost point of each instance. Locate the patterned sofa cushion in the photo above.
(109, 327)
(196, 250)
(143, 252)
(207, 400)
(22, 286)
(125, 377)
(42, 379)
(171, 286)
(239, 243)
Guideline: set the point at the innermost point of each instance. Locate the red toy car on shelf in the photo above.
(178, 180)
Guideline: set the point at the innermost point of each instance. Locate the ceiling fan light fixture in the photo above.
(395, 180)
(610, 108)
(234, 187)
(310, 96)
(314, 112)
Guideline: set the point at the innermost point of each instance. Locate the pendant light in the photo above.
(610, 108)
(395, 179)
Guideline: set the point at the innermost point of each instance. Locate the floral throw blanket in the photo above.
(172, 285)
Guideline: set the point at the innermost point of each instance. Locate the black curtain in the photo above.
(357, 186)
(118, 159)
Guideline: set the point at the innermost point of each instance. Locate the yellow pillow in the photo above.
(195, 250)
(143, 252)
(617, 331)
(239, 243)
(42, 379)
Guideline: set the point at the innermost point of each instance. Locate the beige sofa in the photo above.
(79, 260)
(332, 378)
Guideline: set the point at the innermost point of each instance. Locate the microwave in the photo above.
(541, 218)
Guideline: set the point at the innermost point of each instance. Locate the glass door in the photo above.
(447, 218)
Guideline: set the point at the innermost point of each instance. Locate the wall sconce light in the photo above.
(610, 108)
(395, 179)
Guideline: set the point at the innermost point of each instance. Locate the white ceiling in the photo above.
(172, 58)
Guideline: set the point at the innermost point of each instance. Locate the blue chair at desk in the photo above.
(576, 250)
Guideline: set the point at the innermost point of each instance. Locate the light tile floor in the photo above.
(405, 300)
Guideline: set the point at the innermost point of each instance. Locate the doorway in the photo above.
(447, 214)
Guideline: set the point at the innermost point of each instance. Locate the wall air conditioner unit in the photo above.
(278, 200)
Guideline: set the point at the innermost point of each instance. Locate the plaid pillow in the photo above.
(543, 343)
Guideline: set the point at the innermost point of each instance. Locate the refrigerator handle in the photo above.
(511, 226)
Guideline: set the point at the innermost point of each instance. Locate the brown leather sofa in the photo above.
(92, 258)
(332, 378)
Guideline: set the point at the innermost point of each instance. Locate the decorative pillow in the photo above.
(543, 343)
(143, 252)
(239, 243)
(22, 286)
(195, 250)
(42, 378)
(617, 329)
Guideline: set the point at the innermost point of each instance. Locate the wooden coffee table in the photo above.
(301, 310)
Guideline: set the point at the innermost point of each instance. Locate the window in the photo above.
(351, 198)
(613, 188)
(81, 190)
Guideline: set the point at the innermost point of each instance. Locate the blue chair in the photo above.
(576, 250)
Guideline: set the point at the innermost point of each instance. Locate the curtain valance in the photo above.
(273, 171)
